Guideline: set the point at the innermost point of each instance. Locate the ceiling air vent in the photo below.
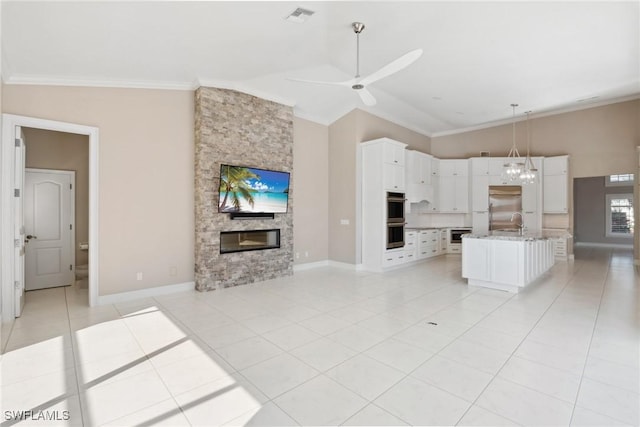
(299, 15)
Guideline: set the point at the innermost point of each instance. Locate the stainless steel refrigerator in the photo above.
(504, 202)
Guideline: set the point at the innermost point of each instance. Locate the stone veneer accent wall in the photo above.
(238, 129)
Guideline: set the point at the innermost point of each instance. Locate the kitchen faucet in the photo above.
(521, 226)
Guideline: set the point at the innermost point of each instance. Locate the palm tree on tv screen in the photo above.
(233, 181)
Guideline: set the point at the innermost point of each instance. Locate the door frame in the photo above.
(72, 207)
(7, 152)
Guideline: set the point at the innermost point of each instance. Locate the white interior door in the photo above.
(18, 235)
(49, 228)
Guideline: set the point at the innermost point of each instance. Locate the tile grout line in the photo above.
(76, 370)
(162, 309)
(516, 349)
(595, 323)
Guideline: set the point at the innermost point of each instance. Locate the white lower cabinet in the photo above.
(410, 245)
(560, 248)
(444, 240)
(393, 257)
(428, 243)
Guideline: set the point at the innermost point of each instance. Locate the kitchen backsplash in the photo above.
(418, 219)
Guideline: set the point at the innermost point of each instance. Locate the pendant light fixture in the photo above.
(514, 166)
(529, 173)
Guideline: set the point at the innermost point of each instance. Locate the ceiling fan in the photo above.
(359, 84)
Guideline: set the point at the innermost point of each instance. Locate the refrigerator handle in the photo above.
(490, 215)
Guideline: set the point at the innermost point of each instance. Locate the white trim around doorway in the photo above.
(9, 123)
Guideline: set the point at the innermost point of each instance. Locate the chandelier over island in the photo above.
(517, 170)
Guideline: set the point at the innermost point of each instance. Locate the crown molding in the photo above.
(123, 84)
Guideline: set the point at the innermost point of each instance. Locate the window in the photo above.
(620, 221)
(620, 179)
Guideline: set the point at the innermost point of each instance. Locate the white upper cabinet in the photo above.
(453, 194)
(555, 185)
(556, 165)
(435, 166)
(454, 186)
(480, 193)
(393, 177)
(480, 184)
(418, 167)
(480, 166)
(394, 153)
(419, 179)
(454, 167)
(496, 165)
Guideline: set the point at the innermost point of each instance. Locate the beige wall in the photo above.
(344, 136)
(65, 151)
(342, 188)
(146, 175)
(600, 141)
(311, 183)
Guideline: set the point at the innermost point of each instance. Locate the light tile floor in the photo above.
(329, 346)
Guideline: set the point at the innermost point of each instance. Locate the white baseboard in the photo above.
(602, 245)
(146, 293)
(310, 265)
(344, 265)
(327, 263)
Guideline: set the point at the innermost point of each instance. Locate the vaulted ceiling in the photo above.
(479, 57)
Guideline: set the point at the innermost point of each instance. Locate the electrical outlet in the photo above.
(306, 254)
(139, 275)
(344, 222)
(173, 270)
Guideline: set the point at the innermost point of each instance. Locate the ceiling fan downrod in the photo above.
(357, 28)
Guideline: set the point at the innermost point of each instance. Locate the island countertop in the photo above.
(515, 236)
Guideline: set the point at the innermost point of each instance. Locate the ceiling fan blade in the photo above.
(366, 97)
(392, 67)
(347, 83)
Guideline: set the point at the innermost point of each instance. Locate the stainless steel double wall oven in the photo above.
(395, 220)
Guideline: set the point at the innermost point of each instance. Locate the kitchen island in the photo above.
(504, 260)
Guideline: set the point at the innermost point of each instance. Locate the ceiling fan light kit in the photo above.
(360, 84)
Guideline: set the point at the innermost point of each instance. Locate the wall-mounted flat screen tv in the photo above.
(252, 190)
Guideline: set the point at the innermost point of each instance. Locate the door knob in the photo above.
(29, 237)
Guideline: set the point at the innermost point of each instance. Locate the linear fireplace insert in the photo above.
(249, 240)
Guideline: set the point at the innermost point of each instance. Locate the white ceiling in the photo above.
(479, 57)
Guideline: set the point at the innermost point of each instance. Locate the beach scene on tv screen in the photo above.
(245, 189)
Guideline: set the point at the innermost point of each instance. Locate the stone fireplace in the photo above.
(239, 129)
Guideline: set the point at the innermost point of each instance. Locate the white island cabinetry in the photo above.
(507, 263)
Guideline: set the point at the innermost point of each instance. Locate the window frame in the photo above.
(608, 198)
(609, 183)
